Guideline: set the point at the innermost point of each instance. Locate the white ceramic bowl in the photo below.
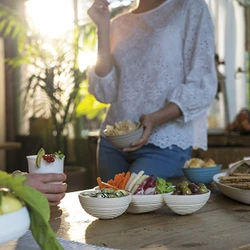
(145, 203)
(125, 140)
(104, 208)
(14, 225)
(237, 194)
(186, 204)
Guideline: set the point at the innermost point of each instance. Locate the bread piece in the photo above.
(234, 179)
(194, 163)
(242, 167)
(240, 185)
(208, 162)
(239, 174)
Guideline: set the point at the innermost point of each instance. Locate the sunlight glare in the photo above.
(51, 18)
(86, 59)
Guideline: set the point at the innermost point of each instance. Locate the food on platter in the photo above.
(16, 196)
(121, 128)
(238, 175)
(199, 163)
(106, 193)
(187, 188)
(137, 183)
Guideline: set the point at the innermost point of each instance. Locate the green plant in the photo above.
(54, 84)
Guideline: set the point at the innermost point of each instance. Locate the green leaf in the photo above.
(162, 186)
(38, 207)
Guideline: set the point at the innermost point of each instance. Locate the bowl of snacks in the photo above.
(106, 203)
(187, 198)
(200, 171)
(146, 191)
(123, 134)
(14, 216)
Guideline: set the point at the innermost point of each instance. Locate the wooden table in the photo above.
(221, 224)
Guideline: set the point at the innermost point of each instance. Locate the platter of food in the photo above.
(235, 183)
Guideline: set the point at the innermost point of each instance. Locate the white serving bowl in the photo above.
(125, 140)
(186, 204)
(145, 203)
(14, 225)
(104, 208)
(237, 194)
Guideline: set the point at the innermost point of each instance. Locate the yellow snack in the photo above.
(121, 128)
(208, 162)
(194, 163)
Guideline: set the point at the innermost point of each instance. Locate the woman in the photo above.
(155, 64)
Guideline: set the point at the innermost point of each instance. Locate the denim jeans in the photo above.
(164, 163)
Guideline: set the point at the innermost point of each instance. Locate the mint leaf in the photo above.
(38, 207)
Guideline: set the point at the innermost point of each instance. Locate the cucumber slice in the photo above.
(39, 156)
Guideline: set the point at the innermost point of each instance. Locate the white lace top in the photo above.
(163, 55)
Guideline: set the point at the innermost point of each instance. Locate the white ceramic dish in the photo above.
(186, 204)
(237, 194)
(104, 208)
(125, 140)
(14, 225)
(145, 203)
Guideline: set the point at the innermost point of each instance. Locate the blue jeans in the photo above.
(164, 163)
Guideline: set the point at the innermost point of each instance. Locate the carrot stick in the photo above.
(99, 182)
(111, 182)
(106, 185)
(125, 180)
(120, 178)
(116, 179)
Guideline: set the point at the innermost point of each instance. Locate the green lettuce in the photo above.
(163, 186)
(38, 207)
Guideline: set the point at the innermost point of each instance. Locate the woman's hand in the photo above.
(53, 192)
(170, 112)
(148, 124)
(99, 13)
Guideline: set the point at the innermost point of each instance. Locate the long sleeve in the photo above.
(196, 94)
(103, 88)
